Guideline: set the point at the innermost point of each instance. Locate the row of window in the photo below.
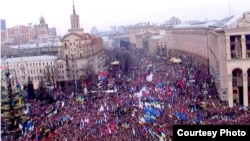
(35, 71)
(34, 78)
(31, 64)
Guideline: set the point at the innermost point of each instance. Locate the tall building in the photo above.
(3, 25)
(80, 53)
(238, 60)
(41, 30)
(52, 32)
(3, 31)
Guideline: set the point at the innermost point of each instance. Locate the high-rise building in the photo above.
(3, 31)
(3, 25)
(81, 53)
(41, 30)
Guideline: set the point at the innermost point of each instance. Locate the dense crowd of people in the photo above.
(141, 104)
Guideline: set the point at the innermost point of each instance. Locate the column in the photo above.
(230, 91)
(243, 44)
(245, 90)
(228, 48)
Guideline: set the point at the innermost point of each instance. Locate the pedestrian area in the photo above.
(142, 104)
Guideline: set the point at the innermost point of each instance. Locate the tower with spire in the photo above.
(75, 22)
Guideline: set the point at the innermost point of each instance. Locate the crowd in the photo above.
(142, 104)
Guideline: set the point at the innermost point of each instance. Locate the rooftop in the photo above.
(29, 59)
(155, 37)
(39, 45)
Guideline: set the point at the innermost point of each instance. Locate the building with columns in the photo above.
(81, 53)
(225, 49)
(238, 60)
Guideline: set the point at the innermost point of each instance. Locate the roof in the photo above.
(233, 22)
(39, 45)
(29, 59)
(82, 36)
(155, 37)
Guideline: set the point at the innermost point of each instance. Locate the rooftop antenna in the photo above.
(229, 8)
(73, 7)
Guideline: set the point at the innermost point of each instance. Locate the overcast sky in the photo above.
(105, 13)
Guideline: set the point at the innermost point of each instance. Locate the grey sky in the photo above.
(106, 13)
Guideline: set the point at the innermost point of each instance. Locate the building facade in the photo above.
(35, 68)
(225, 50)
(144, 27)
(20, 34)
(80, 53)
(41, 30)
(3, 31)
(238, 61)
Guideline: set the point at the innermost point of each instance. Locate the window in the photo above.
(70, 44)
(65, 45)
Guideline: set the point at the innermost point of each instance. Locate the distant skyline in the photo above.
(103, 14)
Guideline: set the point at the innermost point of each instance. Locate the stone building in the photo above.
(226, 50)
(81, 53)
(35, 67)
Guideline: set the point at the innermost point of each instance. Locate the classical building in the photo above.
(35, 67)
(238, 60)
(226, 50)
(80, 53)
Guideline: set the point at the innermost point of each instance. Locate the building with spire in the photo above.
(42, 30)
(81, 54)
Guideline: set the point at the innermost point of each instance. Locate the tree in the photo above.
(30, 89)
(42, 89)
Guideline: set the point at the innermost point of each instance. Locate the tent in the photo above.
(115, 63)
(175, 60)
